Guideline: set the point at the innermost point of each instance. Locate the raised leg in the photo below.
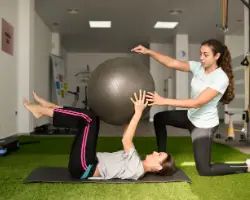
(83, 160)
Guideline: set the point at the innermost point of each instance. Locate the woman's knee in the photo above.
(204, 170)
(158, 117)
(204, 173)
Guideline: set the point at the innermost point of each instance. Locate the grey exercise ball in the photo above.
(112, 84)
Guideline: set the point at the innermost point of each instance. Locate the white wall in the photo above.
(25, 63)
(194, 55)
(8, 74)
(182, 78)
(77, 62)
(194, 52)
(235, 45)
(160, 73)
(41, 63)
(32, 46)
(64, 55)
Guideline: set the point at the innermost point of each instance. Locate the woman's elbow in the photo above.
(197, 104)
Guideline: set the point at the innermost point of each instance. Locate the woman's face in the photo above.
(207, 57)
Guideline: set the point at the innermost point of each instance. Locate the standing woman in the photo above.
(212, 82)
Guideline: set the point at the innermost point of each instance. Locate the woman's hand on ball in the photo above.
(140, 49)
(140, 103)
(155, 99)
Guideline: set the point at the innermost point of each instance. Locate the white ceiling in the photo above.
(133, 21)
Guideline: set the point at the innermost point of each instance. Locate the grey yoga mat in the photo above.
(61, 175)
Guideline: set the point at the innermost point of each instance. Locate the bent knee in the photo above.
(204, 171)
(158, 116)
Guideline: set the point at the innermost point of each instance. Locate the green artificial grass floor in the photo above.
(54, 151)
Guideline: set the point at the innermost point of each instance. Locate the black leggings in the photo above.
(83, 160)
(202, 143)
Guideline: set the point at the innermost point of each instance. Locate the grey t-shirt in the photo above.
(120, 164)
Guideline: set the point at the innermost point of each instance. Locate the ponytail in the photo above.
(226, 65)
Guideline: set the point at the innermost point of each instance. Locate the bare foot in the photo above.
(32, 108)
(248, 164)
(41, 101)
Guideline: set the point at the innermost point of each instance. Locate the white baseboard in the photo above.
(9, 136)
(25, 134)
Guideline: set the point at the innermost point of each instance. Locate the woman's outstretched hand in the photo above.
(140, 49)
(155, 99)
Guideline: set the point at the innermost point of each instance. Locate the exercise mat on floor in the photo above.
(61, 175)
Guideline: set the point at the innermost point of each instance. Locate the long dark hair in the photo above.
(225, 62)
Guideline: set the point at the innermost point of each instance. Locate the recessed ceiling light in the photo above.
(100, 24)
(175, 12)
(166, 25)
(73, 11)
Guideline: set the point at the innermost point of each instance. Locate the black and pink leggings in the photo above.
(83, 160)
